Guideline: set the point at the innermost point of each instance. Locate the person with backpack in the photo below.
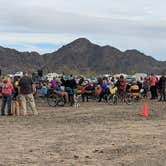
(7, 88)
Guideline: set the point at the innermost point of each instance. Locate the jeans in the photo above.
(162, 94)
(70, 92)
(104, 93)
(6, 98)
(153, 92)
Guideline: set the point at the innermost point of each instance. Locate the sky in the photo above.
(46, 25)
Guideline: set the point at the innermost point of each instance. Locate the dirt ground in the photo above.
(95, 134)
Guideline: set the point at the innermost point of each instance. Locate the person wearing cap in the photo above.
(26, 89)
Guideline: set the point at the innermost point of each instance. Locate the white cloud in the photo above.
(36, 38)
(61, 21)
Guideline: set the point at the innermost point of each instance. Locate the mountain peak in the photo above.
(133, 50)
(82, 40)
(82, 56)
(77, 44)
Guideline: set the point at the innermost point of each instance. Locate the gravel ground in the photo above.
(95, 134)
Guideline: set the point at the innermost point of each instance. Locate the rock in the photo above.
(76, 157)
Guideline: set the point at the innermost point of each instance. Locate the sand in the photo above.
(95, 134)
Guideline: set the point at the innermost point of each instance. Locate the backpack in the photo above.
(5, 86)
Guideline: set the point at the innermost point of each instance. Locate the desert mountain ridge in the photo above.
(81, 56)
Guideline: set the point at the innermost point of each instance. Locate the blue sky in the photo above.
(46, 25)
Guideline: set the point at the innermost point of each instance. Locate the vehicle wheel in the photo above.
(110, 99)
(60, 101)
(52, 100)
(129, 99)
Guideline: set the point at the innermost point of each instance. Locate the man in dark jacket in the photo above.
(26, 89)
(161, 87)
(70, 85)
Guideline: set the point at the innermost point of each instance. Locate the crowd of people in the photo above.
(17, 93)
(67, 84)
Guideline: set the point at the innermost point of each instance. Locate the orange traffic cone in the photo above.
(144, 111)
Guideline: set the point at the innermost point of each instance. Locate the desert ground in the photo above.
(95, 134)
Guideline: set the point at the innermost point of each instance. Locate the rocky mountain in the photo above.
(81, 56)
(12, 60)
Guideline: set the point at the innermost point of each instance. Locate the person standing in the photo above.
(105, 90)
(69, 88)
(153, 82)
(156, 88)
(26, 89)
(7, 88)
(161, 87)
(146, 87)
